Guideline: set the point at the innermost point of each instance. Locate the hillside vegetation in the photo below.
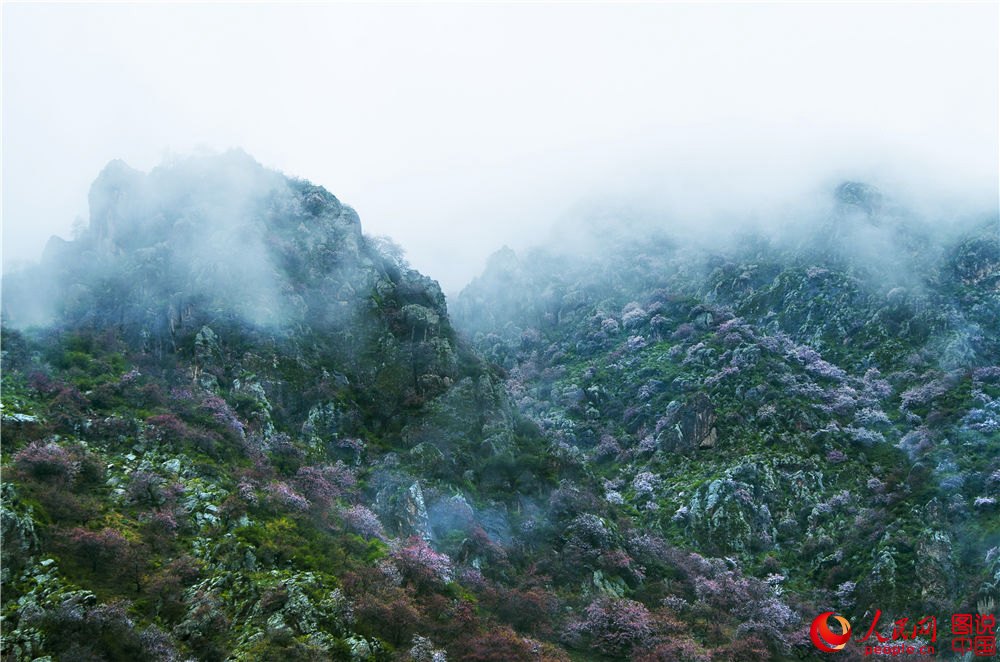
(237, 427)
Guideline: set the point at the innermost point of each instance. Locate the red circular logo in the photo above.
(824, 638)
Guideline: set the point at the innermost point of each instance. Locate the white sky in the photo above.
(458, 128)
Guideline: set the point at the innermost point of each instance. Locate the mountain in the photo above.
(237, 427)
(819, 404)
(226, 382)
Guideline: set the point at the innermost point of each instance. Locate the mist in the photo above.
(456, 130)
(435, 332)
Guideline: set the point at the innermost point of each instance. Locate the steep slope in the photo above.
(228, 403)
(236, 427)
(821, 405)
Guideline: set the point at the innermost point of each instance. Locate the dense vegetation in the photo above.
(235, 427)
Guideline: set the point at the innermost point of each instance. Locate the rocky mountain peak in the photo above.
(859, 195)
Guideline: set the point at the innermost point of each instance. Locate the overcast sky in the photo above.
(456, 129)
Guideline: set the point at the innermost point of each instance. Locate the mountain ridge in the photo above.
(290, 445)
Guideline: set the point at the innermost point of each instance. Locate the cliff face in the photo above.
(221, 245)
(236, 427)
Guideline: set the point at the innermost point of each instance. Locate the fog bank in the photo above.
(457, 129)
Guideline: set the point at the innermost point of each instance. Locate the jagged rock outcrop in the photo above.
(860, 195)
(690, 426)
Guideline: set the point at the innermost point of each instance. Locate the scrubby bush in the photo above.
(99, 550)
(322, 484)
(48, 462)
(615, 626)
(500, 645)
(364, 522)
(676, 649)
(422, 565)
